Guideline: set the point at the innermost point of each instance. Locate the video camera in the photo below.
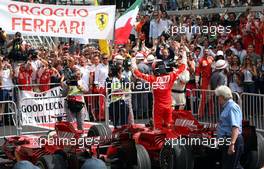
(114, 68)
(33, 53)
(70, 77)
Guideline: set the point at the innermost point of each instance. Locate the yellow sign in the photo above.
(102, 20)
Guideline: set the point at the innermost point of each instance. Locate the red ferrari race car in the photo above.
(134, 146)
(186, 145)
(67, 148)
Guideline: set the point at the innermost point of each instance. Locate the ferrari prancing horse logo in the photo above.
(102, 20)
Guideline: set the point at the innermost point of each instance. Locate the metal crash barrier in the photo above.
(129, 107)
(37, 114)
(253, 109)
(33, 115)
(9, 119)
(205, 106)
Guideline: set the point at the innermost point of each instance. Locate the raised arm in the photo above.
(143, 76)
(177, 72)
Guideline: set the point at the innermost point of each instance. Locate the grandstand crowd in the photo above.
(240, 49)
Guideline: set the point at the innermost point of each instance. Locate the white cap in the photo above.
(119, 57)
(220, 53)
(150, 58)
(140, 56)
(220, 64)
(24, 43)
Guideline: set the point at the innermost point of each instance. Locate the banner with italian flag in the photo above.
(125, 23)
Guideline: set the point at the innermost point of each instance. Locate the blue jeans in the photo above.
(5, 95)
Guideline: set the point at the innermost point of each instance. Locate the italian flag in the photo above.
(125, 23)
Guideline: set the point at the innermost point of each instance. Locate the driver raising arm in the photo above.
(162, 83)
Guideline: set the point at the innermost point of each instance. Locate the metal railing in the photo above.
(131, 107)
(252, 106)
(205, 106)
(38, 114)
(9, 119)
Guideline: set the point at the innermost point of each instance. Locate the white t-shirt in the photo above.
(85, 76)
(100, 75)
(36, 65)
(6, 79)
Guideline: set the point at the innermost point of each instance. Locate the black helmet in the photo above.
(159, 68)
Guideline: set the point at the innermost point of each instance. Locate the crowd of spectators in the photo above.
(240, 45)
(158, 4)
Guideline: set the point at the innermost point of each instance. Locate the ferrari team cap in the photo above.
(140, 56)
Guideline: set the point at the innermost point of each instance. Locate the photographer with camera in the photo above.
(17, 54)
(3, 38)
(74, 89)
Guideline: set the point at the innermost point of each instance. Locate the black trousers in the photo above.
(118, 112)
(233, 161)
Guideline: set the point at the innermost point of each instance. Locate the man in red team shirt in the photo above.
(162, 83)
(25, 76)
(203, 74)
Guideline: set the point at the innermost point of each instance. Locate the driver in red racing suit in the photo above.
(162, 83)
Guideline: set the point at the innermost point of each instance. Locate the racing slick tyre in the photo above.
(176, 157)
(255, 159)
(99, 130)
(54, 161)
(143, 160)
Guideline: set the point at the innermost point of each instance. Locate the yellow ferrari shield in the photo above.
(102, 20)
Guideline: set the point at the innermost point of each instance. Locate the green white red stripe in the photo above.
(125, 23)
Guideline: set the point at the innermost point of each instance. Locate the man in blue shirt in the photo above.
(230, 126)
